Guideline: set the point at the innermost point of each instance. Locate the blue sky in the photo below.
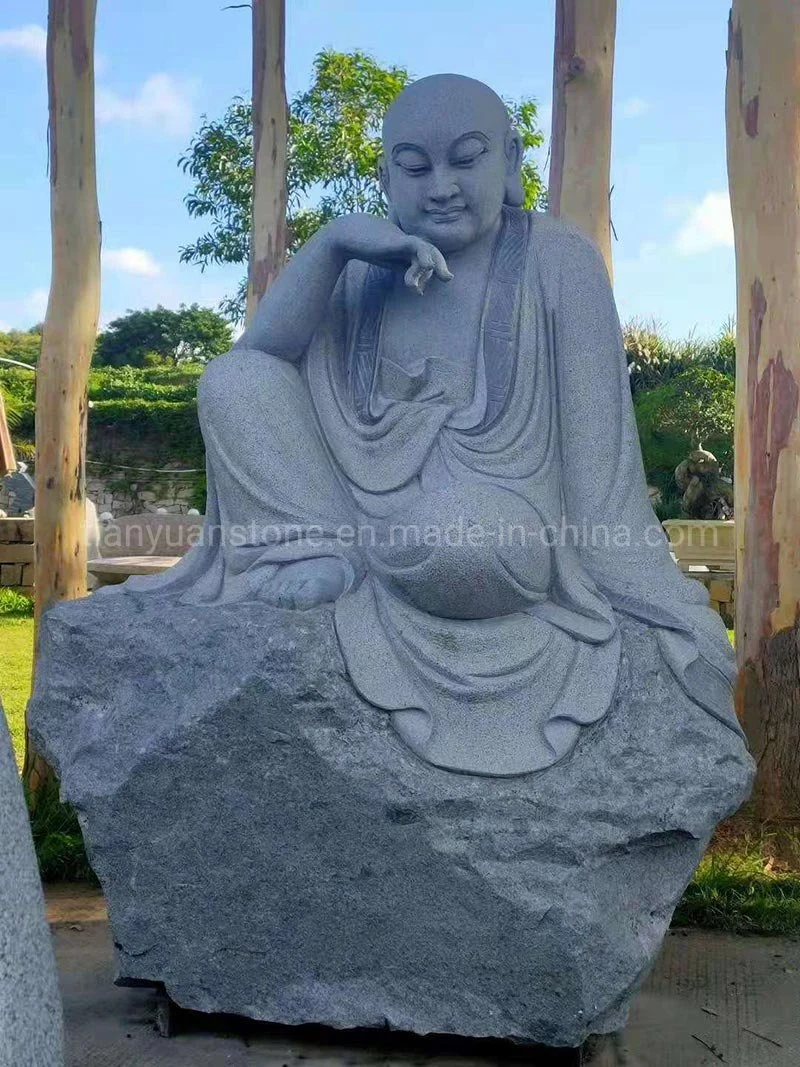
(161, 64)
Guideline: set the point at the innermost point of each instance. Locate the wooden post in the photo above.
(8, 462)
(70, 325)
(763, 129)
(270, 128)
(580, 144)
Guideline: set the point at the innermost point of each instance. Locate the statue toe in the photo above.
(306, 584)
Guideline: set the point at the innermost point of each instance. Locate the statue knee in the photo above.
(232, 382)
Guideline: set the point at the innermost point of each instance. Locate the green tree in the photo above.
(694, 409)
(333, 154)
(156, 335)
(23, 346)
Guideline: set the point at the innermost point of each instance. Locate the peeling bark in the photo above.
(580, 144)
(768, 703)
(763, 134)
(270, 130)
(70, 326)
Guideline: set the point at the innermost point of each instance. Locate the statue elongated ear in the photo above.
(383, 178)
(515, 194)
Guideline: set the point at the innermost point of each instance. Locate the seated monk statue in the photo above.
(428, 424)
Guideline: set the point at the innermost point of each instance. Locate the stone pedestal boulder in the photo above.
(31, 1030)
(269, 847)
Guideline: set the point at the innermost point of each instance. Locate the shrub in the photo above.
(15, 605)
(694, 409)
(654, 359)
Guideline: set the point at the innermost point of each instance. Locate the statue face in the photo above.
(448, 154)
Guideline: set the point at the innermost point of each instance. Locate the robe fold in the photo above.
(489, 548)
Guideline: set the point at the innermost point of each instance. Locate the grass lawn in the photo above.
(16, 658)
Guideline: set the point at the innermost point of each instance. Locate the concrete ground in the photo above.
(713, 999)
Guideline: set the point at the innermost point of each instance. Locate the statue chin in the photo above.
(466, 554)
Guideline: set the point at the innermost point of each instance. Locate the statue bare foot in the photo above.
(307, 583)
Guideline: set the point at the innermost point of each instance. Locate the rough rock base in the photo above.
(268, 847)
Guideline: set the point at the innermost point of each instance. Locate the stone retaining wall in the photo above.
(127, 496)
(722, 590)
(16, 554)
(129, 493)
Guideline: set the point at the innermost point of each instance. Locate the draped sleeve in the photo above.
(620, 541)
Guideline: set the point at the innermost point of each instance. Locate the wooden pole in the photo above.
(270, 129)
(70, 325)
(580, 144)
(8, 462)
(763, 131)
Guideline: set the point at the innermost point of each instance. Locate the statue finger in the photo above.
(416, 277)
(443, 272)
(424, 256)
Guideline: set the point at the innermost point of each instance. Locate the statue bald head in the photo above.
(451, 159)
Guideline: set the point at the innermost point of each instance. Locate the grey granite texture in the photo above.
(446, 449)
(268, 845)
(31, 1033)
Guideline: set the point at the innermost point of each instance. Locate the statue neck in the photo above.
(479, 252)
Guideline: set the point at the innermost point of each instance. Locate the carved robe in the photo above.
(491, 547)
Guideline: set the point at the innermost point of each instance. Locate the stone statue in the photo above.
(706, 494)
(429, 423)
(31, 1026)
(428, 548)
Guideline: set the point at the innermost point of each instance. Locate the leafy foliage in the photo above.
(694, 408)
(23, 346)
(57, 839)
(334, 148)
(150, 336)
(654, 358)
(15, 605)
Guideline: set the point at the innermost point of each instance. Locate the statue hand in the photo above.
(379, 241)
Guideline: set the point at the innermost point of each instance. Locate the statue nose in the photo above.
(443, 187)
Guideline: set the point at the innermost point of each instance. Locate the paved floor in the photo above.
(713, 999)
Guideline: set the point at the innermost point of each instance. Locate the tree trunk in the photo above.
(580, 144)
(763, 128)
(270, 127)
(8, 462)
(70, 325)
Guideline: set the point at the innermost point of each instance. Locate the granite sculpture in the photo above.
(706, 494)
(428, 549)
(31, 1029)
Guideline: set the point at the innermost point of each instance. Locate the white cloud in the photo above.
(35, 304)
(30, 40)
(131, 261)
(25, 311)
(633, 107)
(162, 102)
(708, 226)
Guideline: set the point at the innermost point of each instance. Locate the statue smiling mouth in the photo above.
(450, 215)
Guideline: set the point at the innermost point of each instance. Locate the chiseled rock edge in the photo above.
(268, 847)
(31, 1028)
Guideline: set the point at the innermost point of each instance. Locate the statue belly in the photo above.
(467, 552)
